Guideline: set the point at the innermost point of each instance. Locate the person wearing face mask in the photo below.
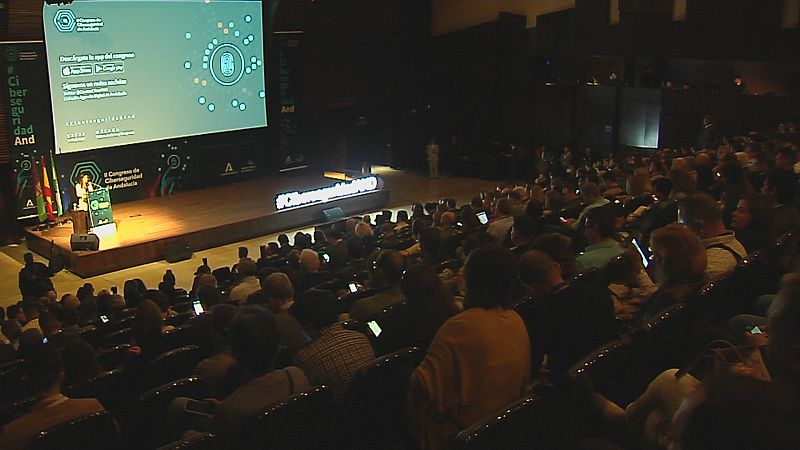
(680, 265)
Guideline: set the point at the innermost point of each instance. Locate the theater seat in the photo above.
(119, 337)
(145, 422)
(15, 409)
(95, 431)
(300, 422)
(180, 318)
(178, 337)
(14, 381)
(169, 366)
(394, 323)
(373, 411)
(601, 370)
(112, 388)
(524, 424)
(112, 357)
(200, 441)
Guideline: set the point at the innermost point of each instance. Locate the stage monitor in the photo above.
(129, 71)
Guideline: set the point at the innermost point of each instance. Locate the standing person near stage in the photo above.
(433, 159)
(82, 189)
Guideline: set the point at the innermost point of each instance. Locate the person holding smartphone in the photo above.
(254, 342)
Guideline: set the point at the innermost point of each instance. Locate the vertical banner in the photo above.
(289, 60)
(30, 127)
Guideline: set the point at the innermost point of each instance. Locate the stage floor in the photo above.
(201, 219)
(405, 188)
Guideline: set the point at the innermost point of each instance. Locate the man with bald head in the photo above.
(278, 291)
(564, 321)
(310, 274)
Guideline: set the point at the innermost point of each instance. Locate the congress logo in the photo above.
(65, 21)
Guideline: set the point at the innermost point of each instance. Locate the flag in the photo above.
(56, 188)
(47, 193)
(40, 210)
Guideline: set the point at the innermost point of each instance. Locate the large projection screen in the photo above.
(129, 71)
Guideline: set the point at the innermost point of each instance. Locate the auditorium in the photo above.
(400, 224)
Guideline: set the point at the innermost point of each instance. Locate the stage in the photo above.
(202, 219)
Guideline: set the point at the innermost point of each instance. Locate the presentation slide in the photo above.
(128, 71)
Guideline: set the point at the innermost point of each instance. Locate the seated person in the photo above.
(214, 368)
(599, 231)
(428, 303)
(334, 354)
(385, 276)
(254, 344)
(680, 265)
(248, 283)
(564, 321)
(310, 274)
(279, 294)
(46, 375)
(479, 360)
(703, 215)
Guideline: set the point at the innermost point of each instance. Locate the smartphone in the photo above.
(104, 318)
(353, 288)
(44, 340)
(483, 218)
(114, 290)
(374, 328)
(645, 259)
(326, 257)
(756, 330)
(198, 307)
(197, 407)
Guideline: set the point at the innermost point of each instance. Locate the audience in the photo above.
(248, 283)
(703, 216)
(479, 360)
(334, 354)
(564, 321)
(46, 375)
(387, 271)
(254, 345)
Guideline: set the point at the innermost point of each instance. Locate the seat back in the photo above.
(145, 422)
(118, 337)
(670, 339)
(95, 431)
(180, 318)
(112, 388)
(15, 409)
(394, 323)
(601, 370)
(169, 366)
(90, 334)
(200, 441)
(373, 411)
(14, 381)
(116, 325)
(178, 337)
(303, 421)
(522, 424)
(112, 357)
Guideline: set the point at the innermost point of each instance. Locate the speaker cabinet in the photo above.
(178, 251)
(332, 214)
(84, 242)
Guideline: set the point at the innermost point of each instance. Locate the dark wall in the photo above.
(682, 114)
(714, 29)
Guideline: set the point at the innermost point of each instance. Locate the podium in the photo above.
(100, 207)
